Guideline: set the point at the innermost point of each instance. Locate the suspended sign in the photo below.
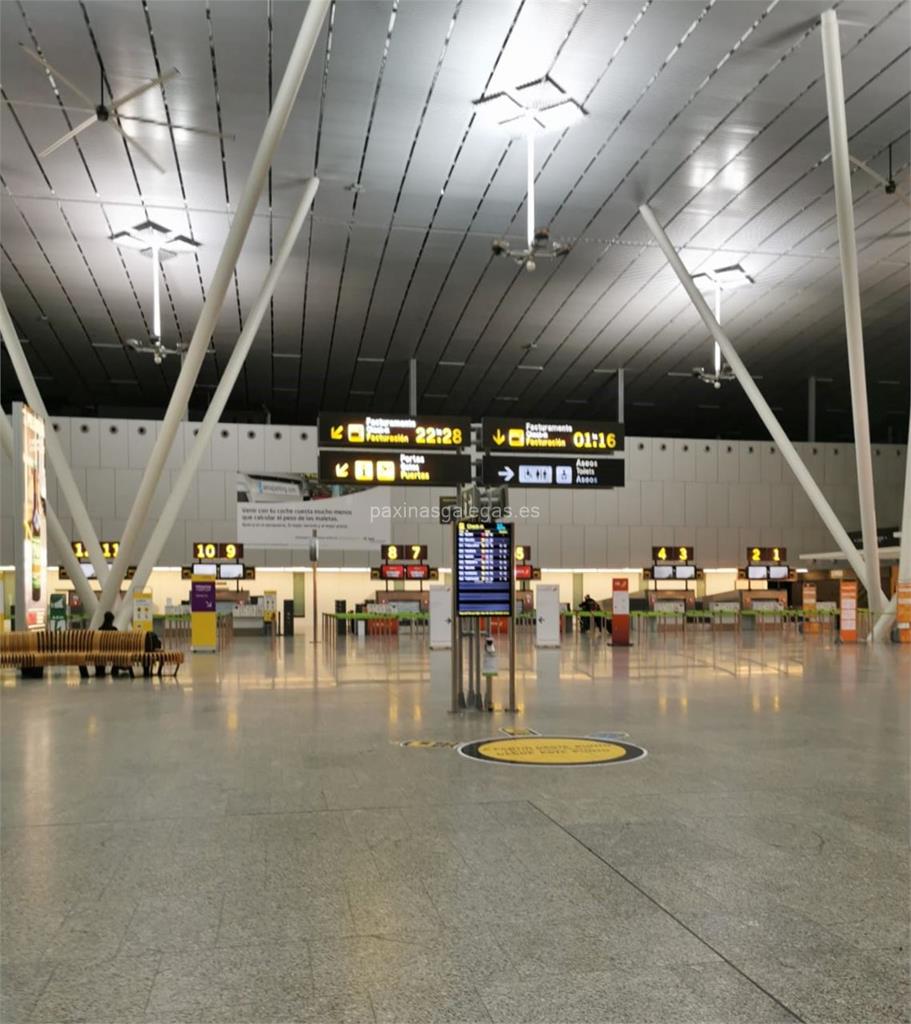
(593, 437)
(403, 552)
(568, 471)
(207, 550)
(673, 553)
(409, 468)
(766, 556)
(344, 430)
(110, 549)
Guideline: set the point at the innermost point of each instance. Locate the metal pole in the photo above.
(454, 627)
(65, 480)
(718, 318)
(412, 387)
(156, 295)
(804, 476)
(196, 351)
(811, 409)
(222, 393)
(530, 170)
(512, 663)
(620, 395)
(56, 533)
(314, 565)
(883, 628)
(847, 245)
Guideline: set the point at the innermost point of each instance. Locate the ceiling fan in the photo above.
(102, 113)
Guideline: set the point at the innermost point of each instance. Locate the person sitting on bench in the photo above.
(107, 627)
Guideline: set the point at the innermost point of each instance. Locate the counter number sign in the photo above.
(672, 553)
(403, 552)
(767, 556)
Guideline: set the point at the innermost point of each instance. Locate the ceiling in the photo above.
(714, 112)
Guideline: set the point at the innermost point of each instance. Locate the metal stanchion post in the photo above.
(512, 664)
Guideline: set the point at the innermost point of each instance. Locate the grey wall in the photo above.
(719, 496)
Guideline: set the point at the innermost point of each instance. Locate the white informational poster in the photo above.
(440, 618)
(547, 610)
(30, 496)
(620, 602)
(284, 512)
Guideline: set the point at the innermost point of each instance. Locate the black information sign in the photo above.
(208, 550)
(403, 552)
(370, 468)
(523, 553)
(767, 556)
(586, 437)
(568, 471)
(484, 568)
(348, 430)
(672, 553)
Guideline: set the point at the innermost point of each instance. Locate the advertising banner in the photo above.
(284, 512)
(903, 612)
(620, 612)
(30, 495)
(847, 629)
(811, 624)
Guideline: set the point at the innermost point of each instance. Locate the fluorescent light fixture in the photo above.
(450, 362)
(506, 398)
(531, 369)
(286, 355)
(603, 369)
(576, 401)
(541, 105)
(732, 277)
(370, 359)
(436, 394)
(149, 238)
(361, 392)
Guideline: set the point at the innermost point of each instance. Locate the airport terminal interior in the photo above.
(455, 511)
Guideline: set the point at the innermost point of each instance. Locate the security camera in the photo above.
(542, 236)
(890, 187)
(530, 265)
(499, 248)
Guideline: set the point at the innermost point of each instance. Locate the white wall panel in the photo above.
(303, 449)
(674, 495)
(224, 447)
(782, 504)
(126, 484)
(606, 506)
(251, 448)
(100, 495)
(772, 463)
(62, 427)
(750, 462)
(584, 507)
(728, 462)
(706, 461)
(561, 506)
(729, 553)
(738, 504)
(663, 459)
(639, 458)
(640, 546)
(572, 546)
(277, 449)
(113, 443)
(760, 499)
(84, 444)
(211, 485)
(685, 460)
(595, 549)
(695, 504)
(652, 513)
(717, 511)
(618, 553)
(141, 436)
(706, 544)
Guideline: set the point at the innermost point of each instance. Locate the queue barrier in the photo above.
(376, 623)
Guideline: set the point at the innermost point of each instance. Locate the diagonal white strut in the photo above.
(216, 407)
(847, 245)
(65, 480)
(196, 351)
(788, 451)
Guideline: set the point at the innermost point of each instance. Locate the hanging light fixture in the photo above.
(528, 110)
(158, 244)
(722, 279)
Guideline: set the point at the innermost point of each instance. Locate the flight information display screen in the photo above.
(484, 568)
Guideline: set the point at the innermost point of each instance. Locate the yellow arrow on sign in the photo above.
(499, 437)
(341, 469)
(336, 433)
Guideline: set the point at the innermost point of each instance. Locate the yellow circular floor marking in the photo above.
(551, 750)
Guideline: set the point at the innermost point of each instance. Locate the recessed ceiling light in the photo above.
(450, 362)
(526, 366)
(370, 359)
(603, 369)
(286, 355)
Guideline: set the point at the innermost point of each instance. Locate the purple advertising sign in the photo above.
(202, 596)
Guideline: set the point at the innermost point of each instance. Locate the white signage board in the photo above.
(30, 516)
(547, 611)
(440, 618)
(351, 521)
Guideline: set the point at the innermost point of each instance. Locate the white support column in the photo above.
(804, 476)
(530, 172)
(883, 628)
(217, 405)
(65, 479)
(717, 352)
(196, 351)
(56, 533)
(847, 244)
(412, 387)
(621, 400)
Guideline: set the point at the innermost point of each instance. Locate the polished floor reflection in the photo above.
(255, 845)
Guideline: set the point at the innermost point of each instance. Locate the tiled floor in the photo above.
(254, 845)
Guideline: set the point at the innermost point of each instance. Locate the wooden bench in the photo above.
(34, 650)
